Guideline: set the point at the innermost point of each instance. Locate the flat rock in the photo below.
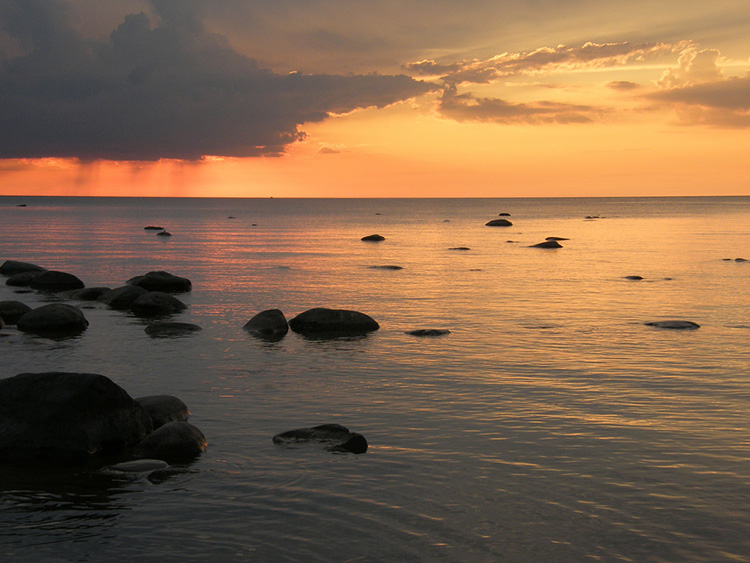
(155, 303)
(67, 417)
(163, 409)
(498, 223)
(153, 228)
(335, 436)
(13, 267)
(163, 234)
(633, 278)
(11, 311)
(386, 267)
(167, 330)
(53, 280)
(173, 442)
(268, 325)
(138, 466)
(429, 332)
(55, 319)
(460, 248)
(675, 325)
(321, 321)
(161, 281)
(373, 238)
(547, 244)
(556, 238)
(122, 298)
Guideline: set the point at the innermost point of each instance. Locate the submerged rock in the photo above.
(547, 244)
(67, 417)
(429, 332)
(173, 442)
(163, 409)
(336, 436)
(268, 325)
(13, 267)
(52, 280)
(161, 281)
(166, 330)
(11, 311)
(373, 238)
(138, 466)
(676, 325)
(55, 319)
(88, 293)
(499, 223)
(154, 303)
(333, 322)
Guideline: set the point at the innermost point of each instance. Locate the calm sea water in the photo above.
(551, 424)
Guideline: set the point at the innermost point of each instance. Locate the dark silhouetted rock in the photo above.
(336, 436)
(429, 332)
(675, 325)
(634, 278)
(23, 279)
(154, 303)
(503, 214)
(53, 280)
(740, 260)
(13, 267)
(373, 238)
(163, 234)
(122, 298)
(153, 228)
(386, 267)
(55, 319)
(547, 244)
(162, 281)
(173, 442)
(167, 330)
(499, 223)
(87, 293)
(11, 311)
(163, 409)
(2, 322)
(333, 322)
(556, 238)
(268, 325)
(67, 417)
(460, 248)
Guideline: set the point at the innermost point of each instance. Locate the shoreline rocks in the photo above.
(55, 281)
(54, 320)
(161, 281)
(12, 267)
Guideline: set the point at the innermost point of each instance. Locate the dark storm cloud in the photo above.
(158, 90)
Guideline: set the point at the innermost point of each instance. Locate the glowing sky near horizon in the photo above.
(337, 98)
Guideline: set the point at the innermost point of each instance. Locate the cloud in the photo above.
(623, 85)
(168, 89)
(545, 59)
(693, 67)
(466, 107)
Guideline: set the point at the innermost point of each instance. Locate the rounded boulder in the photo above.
(55, 319)
(173, 442)
(322, 322)
(268, 325)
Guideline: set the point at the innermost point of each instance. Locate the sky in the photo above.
(377, 98)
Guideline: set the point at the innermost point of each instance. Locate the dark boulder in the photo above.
(163, 409)
(460, 248)
(153, 228)
(373, 238)
(122, 298)
(499, 223)
(167, 330)
(11, 311)
(675, 325)
(164, 234)
(13, 267)
(22, 279)
(547, 244)
(52, 280)
(173, 442)
(155, 303)
(161, 281)
(67, 417)
(386, 267)
(634, 278)
(336, 436)
(55, 319)
(503, 214)
(429, 332)
(268, 325)
(87, 293)
(333, 322)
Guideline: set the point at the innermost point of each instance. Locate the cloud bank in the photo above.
(164, 89)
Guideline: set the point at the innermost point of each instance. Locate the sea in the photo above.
(550, 424)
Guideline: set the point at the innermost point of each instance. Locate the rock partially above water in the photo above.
(53, 280)
(173, 442)
(386, 267)
(268, 325)
(547, 244)
(634, 278)
(336, 436)
(161, 281)
(373, 238)
(677, 325)
(88, 293)
(23, 279)
(13, 267)
(55, 319)
(153, 228)
(499, 223)
(460, 248)
(155, 303)
(332, 322)
(122, 298)
(556, 238)
(429, 332)
(11, 311)
(163, 409)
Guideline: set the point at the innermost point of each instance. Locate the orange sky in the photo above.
(640, 103)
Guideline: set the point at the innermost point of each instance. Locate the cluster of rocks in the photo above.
(160, 231)
(73, 418)
(318, 322)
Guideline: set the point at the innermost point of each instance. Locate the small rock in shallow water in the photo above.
(386, 267)
(498, 223)
(634, 278)
(547, 244)
(373, 238)
(336, 436)
(677, 325)
(429, 332)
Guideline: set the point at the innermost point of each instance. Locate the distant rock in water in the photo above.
(121, 298)
(153, 228)
(676, 325)
(167, 330)
(556, 238)
(460, 248)
(54, 281)
(503, 214)
(54, 320)
(740, 260)
(161, 281)
(373, 238)
(386, 267)
(634, 278)
(429, 332)
(21, 205)
(11, 311)
(336, 436)
(498, 223)
(163, 234)
(547, 244)
(332, 322)
(268, 325)
(12, 267)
